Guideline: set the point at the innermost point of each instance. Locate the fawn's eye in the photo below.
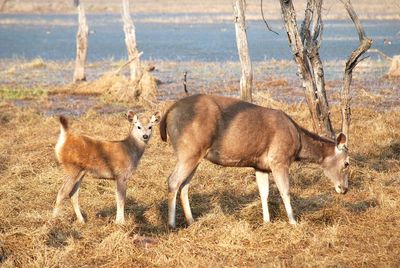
(139, 127)
(149, 127)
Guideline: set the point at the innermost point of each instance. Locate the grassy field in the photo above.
(360, 228)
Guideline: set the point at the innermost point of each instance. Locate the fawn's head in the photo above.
(336, 166)
(142, 127)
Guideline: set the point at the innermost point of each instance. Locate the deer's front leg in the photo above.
(120, 197)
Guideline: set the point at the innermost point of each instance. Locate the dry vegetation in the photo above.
(360, 228)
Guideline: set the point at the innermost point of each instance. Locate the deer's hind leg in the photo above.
(281, 177)
(263, 188)
(70, 188)
(185, 198)
(180, 177)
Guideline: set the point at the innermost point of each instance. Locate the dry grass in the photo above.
(360, 228)
(117, 88)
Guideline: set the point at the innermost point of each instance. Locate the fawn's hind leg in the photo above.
(73, 178)
(74, 194)
(185, 198)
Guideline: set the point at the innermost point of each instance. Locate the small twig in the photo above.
(383, 55)
(265, 21)
(354, 58)
(185, 82)
(127, 63)
(360, 60)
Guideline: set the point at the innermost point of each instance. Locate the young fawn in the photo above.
(116, 160)
(234, 133)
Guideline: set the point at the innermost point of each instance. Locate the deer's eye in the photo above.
(346, 164)
(139, 127)
(149, 127)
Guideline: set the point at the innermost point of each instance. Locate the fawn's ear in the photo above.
(132, 117)
(341, 141)
(155, 118)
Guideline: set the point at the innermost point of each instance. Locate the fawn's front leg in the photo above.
(120, 197)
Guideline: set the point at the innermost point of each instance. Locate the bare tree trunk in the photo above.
(81, 45)
(3, 4)
(305, 48)
(130, 41)
(246, 78)
(311, 32)
(353, 60)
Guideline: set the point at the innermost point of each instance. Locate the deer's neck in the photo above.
(135, 146)
(315, 148)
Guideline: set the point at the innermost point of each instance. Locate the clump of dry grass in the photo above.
(356, 229)
(118, 88)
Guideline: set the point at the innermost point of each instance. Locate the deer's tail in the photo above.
(63, 123)
(163, 126)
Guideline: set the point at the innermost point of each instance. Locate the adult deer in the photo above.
(231, 132)
(106, 159)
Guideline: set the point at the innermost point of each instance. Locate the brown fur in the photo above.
(116, 160)
(107, 159)
(230, 132)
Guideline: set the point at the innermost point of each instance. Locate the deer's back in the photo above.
(231, 132)
(106, 159)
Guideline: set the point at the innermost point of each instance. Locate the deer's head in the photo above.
(142, 127)
(336, 166)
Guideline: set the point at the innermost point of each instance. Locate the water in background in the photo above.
(52, 37)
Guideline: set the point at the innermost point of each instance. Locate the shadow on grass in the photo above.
(240, 206)
(386, 160)
(199, 203)
(391, 152)
(58, 235)
(362, 206)
(231, 202)
(135, 209)
(3, 253)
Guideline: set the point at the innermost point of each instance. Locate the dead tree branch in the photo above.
(81, 45)
(127, 63)
(305, 46)
(246, 78)
(311, 33)
(130, 41)
(184, 81)
(265, 21)
(380, 53)
(3, 4)
(353, 60)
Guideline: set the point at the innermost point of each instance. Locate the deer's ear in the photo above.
(155, 118)
(132, 117)
(341, 141)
